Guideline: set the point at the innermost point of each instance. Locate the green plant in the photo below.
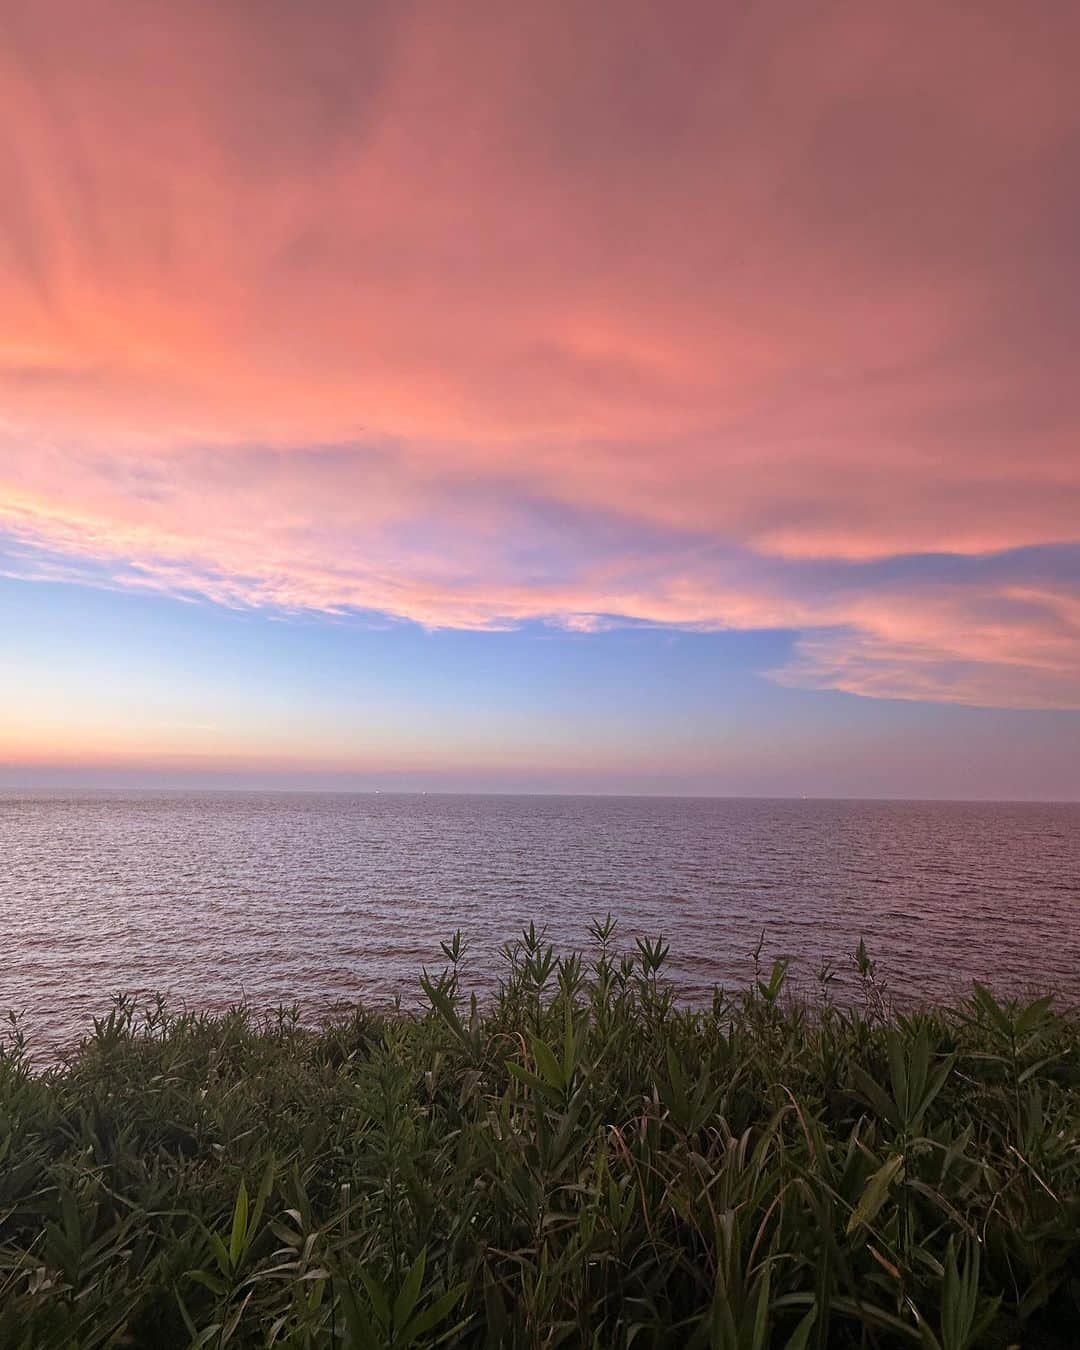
(577, 1160)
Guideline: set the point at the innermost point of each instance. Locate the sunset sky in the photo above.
(667, 397)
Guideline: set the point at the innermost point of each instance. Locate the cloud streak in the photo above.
(469, 315)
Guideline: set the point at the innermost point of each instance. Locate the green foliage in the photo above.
(578, 1161)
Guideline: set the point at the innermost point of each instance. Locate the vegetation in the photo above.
(578, 1162)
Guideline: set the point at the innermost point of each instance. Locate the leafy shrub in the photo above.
(579, 1161)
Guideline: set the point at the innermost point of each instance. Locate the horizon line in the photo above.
(297, 790)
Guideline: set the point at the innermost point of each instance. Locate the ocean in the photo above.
(317, 898)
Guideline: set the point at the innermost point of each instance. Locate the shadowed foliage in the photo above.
(579, 1161)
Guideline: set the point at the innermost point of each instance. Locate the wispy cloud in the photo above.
(726, 317)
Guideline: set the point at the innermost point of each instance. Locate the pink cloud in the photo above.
(572, 295)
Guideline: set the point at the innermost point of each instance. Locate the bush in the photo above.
(580, 1161)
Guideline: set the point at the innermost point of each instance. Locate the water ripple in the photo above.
(317, 898)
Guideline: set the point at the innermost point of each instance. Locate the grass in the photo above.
(579, 1162)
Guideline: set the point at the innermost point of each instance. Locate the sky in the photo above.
(541, 397)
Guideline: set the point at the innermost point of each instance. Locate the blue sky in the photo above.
(121, 688)
(682, 403)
